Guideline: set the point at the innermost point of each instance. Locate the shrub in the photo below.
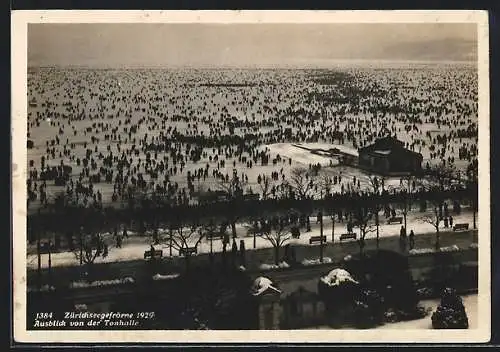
(337, 290)
(369, 309)
(450, 314)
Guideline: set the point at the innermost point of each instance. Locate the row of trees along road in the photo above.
(188, 228)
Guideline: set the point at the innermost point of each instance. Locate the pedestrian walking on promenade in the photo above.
(402, 232)
(446, 222)
(451, 221)
(402, 239)
(412, 239)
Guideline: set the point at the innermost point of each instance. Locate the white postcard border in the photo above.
(19, 22)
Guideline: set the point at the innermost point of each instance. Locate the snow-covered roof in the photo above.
(383, 152)
(261, 285)
(337, 276)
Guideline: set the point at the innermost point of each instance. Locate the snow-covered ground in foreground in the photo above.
(133, 248)
(470, 303)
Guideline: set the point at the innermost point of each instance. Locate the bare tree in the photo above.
(326, 185)
(472, 185)
(377, 185)
(209, 229)
(184, 237)
(277, 234)
(255, 230)
(303, 183)
(438, 180)
(91, 246)
(406, 189)
(233, 190)
(362, 215)
(434, 220)
(265, 186)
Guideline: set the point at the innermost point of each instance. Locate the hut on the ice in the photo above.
(388, 156)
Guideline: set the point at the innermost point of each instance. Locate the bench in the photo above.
(460, 227)
(45, 248)
(214, 236)
(348, 236)
(188, 251)
(153, 255)
(317, 239)
(395, 220)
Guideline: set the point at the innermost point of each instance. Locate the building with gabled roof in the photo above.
(388, 156)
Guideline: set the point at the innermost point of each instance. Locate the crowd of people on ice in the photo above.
(108, 135)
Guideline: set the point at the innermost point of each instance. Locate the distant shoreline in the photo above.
(330, 65)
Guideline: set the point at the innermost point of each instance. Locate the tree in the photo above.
(302, 182)
(254, 229)
(377, 188)
(233, 190)
(277, 233)
(472, 186)
(183, 237)
(209, 229)
(406, 190)
(438, 180)
(91, 246)
(265, 186)
(362, 215)
(326, 185)
(434, 220)
(450, 314)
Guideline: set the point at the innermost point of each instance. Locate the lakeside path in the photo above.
(133, 247)
(140, 270)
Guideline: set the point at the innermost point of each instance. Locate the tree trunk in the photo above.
(81, 249)
(437, 236)
(187, 261)
(89, 270)
(377, 223)
(361, 245)
(474, 218)
(404, 218)
(39, 255)
(233, 228)
(276, 254)
(211, 244)
(170, 241)
(321, 238)
(333, 228)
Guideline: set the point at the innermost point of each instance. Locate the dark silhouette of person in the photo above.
(412, 239)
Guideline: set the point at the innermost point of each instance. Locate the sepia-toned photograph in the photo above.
(214, 175)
